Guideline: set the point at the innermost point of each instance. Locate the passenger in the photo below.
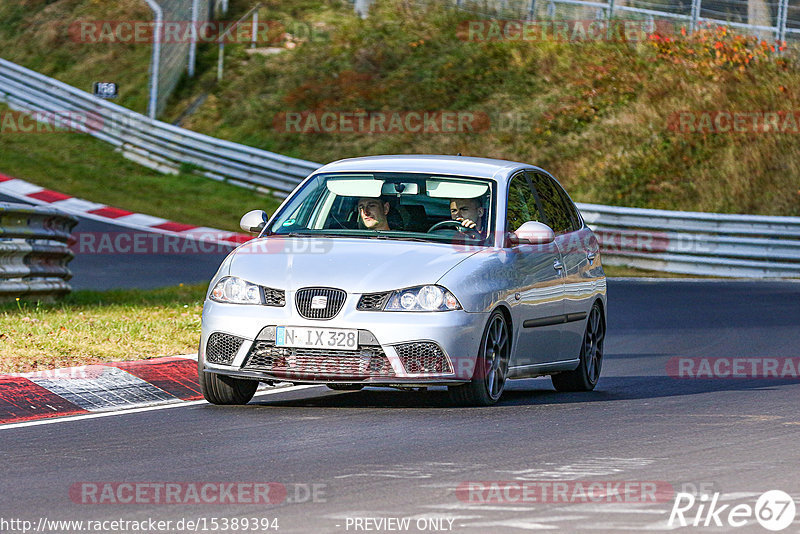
(372, 213)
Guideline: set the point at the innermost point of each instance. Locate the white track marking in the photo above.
(141, 219)
(580, 469)
(176, 404)
(76, 204)
(17, 187)
(111, 388)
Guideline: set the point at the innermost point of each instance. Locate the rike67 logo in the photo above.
(774, 510)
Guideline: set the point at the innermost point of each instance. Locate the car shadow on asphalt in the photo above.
(528, 392)
(640, 388)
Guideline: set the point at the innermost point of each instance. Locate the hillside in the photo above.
(36, 34)
(600, 115)
(604, 117)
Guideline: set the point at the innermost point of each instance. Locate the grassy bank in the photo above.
(600, 115)
(37, 34)
(91, 327)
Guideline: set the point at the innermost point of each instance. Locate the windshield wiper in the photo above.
(298, 234)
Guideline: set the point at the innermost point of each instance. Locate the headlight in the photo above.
(236, 291)
(423, 298)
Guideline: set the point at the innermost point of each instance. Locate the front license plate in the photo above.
(316, 338)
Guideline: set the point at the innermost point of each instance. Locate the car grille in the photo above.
(295, 362)
(373, 301)
(274, 297)
(423, 357)
(222, 348)
(335, 300)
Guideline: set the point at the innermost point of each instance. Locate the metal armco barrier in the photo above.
(714, 244)
(147, 141)
(34, 251)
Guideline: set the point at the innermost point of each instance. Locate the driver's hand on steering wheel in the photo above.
(466, 223)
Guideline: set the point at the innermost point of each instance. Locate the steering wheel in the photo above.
(471, 232)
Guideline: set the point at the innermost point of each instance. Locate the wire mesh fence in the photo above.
(171, 56)
(768, 19)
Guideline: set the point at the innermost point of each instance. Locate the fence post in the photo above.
(695, 15)
(783, 15)
(155, 60)
(220, 59)
(610, 9)
(193, 44)
(255, 29)
(362, 7)
(532, 10)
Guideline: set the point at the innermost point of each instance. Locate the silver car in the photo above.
(408, 272)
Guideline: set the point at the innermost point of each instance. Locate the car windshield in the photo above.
(409, 206)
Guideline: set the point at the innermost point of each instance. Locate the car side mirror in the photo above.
(254, 221)
(532, 233)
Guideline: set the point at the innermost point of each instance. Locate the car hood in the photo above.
(355, 265)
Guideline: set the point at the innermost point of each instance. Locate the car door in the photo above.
(578, 249)
(537, 301)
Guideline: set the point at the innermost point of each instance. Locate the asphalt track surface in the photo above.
(101, 271)
(394, 454)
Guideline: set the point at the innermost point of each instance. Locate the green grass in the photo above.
(82, 166)
(90, 327)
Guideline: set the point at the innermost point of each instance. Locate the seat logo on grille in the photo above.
(320, 302)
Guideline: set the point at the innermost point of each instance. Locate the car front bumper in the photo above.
(394, 348)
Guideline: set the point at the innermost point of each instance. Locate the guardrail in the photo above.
(34, 251)
(713, 244)
(147, 141)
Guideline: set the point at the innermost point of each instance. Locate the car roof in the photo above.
(447, 165)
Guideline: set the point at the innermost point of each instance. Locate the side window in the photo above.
(571, 209)
(553, 204)
(521, 204)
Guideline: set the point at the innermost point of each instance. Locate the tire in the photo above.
(586, 375)
(221, 389)
(345, 387)
(491, 366)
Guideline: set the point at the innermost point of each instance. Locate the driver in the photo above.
(373, 213)
(468, 211)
